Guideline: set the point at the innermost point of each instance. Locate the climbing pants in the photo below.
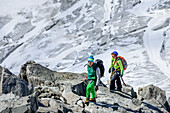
(90, 89)
(117, 79)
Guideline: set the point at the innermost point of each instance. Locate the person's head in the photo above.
(91, 60)
(114, 54)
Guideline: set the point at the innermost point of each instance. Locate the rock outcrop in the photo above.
(65, 92)
(154, 93)
(37, 74)
(12, 83)
(9, 103)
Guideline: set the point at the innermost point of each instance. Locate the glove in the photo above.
(109, 70)
(121, 75)
(96, 88)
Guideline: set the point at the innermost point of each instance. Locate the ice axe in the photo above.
(123, 81)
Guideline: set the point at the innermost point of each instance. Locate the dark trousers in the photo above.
(117, 79)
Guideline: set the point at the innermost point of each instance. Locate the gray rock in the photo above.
(25, 104)
(146, 111)
(154, 106)
(129, 90)
(69, 95)
(49, 92)
(48, 110)
(45, 101)
(11, 83)
(36, 74)
(81, 103)
(53, 103)
(80, 89)
(136, 101)
(153, 92)
(61, 106)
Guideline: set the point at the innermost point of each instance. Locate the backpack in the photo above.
(124, 62)
(99, 64)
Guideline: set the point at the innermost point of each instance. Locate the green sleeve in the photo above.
(111, 63)
(121, 66)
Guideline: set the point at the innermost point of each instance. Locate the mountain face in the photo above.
(61, 34)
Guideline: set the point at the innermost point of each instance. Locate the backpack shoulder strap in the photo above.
(94, 67)
(115, 61)
(118, 60)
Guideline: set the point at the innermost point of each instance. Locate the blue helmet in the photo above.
(115, 52)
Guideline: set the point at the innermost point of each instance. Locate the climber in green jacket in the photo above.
(93, 73)
(117, 70)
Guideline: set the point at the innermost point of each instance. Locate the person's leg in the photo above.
(92, 91)
(118, 82)
(112, 83)
(88, 93)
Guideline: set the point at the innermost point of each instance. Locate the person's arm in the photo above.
(87, 71)
(111, 63)
(121, 67)
(98, 75)
(111, 66)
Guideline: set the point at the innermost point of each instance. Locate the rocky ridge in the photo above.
(63, 92)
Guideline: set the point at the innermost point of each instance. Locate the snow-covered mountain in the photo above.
(61, 34)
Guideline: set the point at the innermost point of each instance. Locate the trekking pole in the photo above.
(123, 81)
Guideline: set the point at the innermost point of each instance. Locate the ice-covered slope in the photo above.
(61, 34)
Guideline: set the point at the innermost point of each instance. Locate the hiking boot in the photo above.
(118, 89)
(93, 100)
(112, 90)
(87, 101)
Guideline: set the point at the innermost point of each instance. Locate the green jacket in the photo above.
(118, 65)
(91, 72)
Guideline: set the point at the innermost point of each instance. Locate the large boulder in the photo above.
(60, 107)
(9, 103)
(71, 97)
(37, 74)
(129, 90)
(80, 89)
(152, 92)
(12, 83)
(50, 92)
